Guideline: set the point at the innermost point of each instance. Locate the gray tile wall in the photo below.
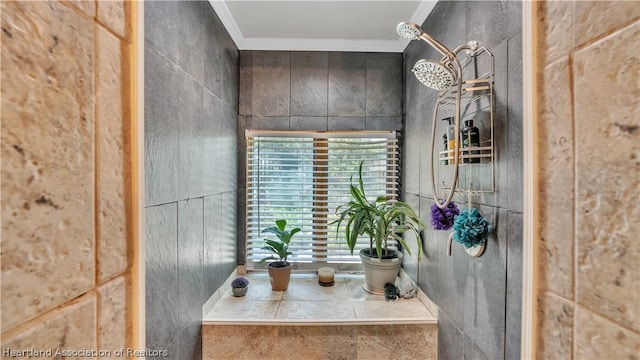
(191, 105)
(479, 298)
(285, 90)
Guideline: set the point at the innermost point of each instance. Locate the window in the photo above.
(303, 177)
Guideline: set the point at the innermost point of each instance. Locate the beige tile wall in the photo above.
(66, 237)
(589, 148)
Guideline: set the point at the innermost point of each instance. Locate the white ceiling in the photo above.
(320, 25)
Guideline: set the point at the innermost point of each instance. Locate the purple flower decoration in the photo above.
(442, 219)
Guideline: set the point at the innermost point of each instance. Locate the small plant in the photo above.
(240, 282)
(280, 248)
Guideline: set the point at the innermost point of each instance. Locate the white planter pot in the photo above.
(378, 272)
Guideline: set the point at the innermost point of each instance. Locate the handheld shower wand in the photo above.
(439, 75)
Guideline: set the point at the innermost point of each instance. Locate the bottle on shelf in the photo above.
(445, 137)
(469, 138)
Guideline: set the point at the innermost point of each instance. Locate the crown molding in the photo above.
(305, 44)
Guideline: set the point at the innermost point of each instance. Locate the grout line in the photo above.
(574, 211)
(96, 158)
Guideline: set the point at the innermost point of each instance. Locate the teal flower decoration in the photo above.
(470, 228)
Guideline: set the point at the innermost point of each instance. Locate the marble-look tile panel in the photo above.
(47, 152)
(113, 328)
(356, 291)
(271, 83)
(240, 343)
(111, 153)
(190, 261)
(72, 327)
(316, 310)
(592, 19)
(599, 338)
(556, 187)
(350, 123)
(608, 201)
(315, 343)
(398, 342)
(115, 14)
(555, 327)
(555, 30)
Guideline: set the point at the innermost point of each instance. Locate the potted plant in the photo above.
(279, 270)
(381, 220)
(239, 286)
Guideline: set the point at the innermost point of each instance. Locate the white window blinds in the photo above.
(303, 177)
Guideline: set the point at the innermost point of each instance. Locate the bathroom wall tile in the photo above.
(514, 286)
(268, 123)
(451, 280)
(398, 341)
(213, 276)
(240, 342)
(317, 310)
(555, 327)
(228, 170)
(486, 22)
(555, 142)
(161, 274)
(47, 158)
(472, 352)
(514, 18)
(383, 123)
(607, 142)
(311, 123)
(592, 19)
(447, 23)
(241, 226)
(113, 330)
(172, 349)
(485, 293)
(271, 82)
(384, 84)
(228, 236)
(190, 262)
(410, 263)
(230, 73)
(555, 31)
(349, 123)
(111, 154)
(515, 175)
(428, 266)
(71, 327)
(423, 133)
(87, 7)
(160, 128)
(115, 15)
(241, 151)
(347, 84)
(410, 153)
(309, 83)
(600, 338)
(450, 339)
(414, 91)
(190, 342)
(161, 28)
(191, 37)
(315, 342)
(246, 83)
(190, 139)
(213, 53)
(212, 118)
(356, 291)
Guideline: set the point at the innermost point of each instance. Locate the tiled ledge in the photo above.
(305, 303)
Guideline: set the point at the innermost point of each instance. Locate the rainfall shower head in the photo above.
(408, 30)
(433, 74)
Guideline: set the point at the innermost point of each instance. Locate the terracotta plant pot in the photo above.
(237, 292)
(279, 274)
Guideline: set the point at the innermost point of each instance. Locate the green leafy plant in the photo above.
(280, 248)
(380, 220)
